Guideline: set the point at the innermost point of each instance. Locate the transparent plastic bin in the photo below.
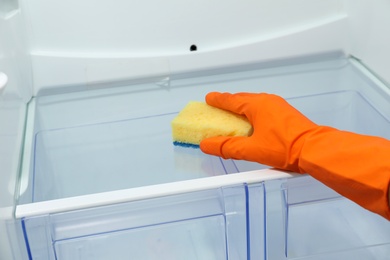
(321, 224)
(116, 141)
(109, 139)
(138, 152)
(117, 155)
(210, 224)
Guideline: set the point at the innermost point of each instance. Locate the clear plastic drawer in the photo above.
(210, 224)
(320, 224)
(114, 155)
(83, 146)
(108, 139)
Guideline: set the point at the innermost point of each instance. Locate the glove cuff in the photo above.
(356, 166)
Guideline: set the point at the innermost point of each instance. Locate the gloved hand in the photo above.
(278, 130)
(356, 166)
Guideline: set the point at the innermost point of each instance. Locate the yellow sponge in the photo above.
(198, 121)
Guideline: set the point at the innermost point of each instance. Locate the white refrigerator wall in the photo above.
(89, 41)
(85, 42)
(14, 62)
(369, 32)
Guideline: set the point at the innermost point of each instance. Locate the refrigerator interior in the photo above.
(92, 143)
(87, 166)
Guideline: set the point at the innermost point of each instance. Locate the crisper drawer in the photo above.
(320, 224)
(210, 224)
(116, 138)
(101, 178)
(138, 152)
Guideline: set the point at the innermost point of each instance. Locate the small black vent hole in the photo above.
(193, 47)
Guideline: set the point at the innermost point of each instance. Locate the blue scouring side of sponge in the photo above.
(187, 145)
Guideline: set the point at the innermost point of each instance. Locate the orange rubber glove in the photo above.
(356, 166)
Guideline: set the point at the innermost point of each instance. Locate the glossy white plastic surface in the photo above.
(368, 37)
(152, 28)
(8, 8)
(105, 42)
(3, 81)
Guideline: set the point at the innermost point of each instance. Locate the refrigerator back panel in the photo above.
(121, 41)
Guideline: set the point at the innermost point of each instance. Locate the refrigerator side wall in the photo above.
(13, 99)
(370, 40)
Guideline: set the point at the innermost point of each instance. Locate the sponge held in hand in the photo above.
(198, 121)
